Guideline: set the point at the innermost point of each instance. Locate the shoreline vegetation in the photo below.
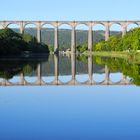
(130, 42)
(14, 44)
(127, 46)
(19, 45)
(117, 54)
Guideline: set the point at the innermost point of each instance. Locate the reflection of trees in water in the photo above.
(10, 68)
(127, 67)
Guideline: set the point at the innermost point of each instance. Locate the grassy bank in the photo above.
(111, 54)
(135, 56)
(120, 54)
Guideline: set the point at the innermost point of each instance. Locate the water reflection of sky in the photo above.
(70, 113)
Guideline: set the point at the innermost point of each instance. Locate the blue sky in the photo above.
(69, 10)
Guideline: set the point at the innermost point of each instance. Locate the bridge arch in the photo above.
(11, 23)
(15, 27)
(133, 22)
(64, 36)
(82, 69)
(30, 28)
(30, 71)
(47, 23)
(47, 35)
(81, 31)
(116, 29)
(99, 76)
(98, 23)
(116, 23)
(30, 23)
(97, 30)
(77, 24)
(117, 77)
(64, 24)
(132, 25)
(65, 75)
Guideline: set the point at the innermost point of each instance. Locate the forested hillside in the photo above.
(64, 36)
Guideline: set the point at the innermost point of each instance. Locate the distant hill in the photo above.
(64, 36)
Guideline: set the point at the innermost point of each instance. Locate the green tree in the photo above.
(130, 41)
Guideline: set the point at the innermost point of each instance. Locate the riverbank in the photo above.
(108, 54)
(135, 56)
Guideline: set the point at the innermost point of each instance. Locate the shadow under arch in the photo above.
(15, 27)
(47, 35)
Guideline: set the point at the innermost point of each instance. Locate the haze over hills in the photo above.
(64, 36)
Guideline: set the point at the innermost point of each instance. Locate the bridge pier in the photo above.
(73, 40)
(107, 75)
(73, 69)
(5, 82)
(90, 69)
(56, 49)
(39, 33)
(39, 75)
(21, 28)
(39, 72)
(90, 34)
(124, 79)
(56, 70)
(22, 79)
(124, 30)
(107, 32)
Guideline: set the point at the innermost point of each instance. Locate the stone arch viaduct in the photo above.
(73, 25)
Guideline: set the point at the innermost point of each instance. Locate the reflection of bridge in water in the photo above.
(73, 81)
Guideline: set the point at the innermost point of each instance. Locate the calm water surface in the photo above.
(87, 112)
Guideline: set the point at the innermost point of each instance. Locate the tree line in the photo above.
(12, 43)
(128, 42)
